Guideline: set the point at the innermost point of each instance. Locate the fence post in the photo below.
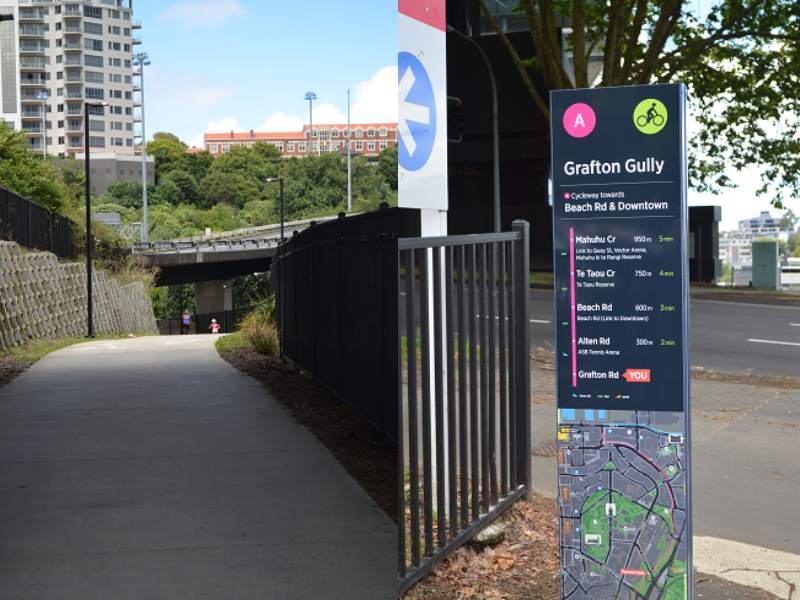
(522, 374)
(313, 296)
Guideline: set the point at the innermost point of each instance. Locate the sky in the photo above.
(221, 65)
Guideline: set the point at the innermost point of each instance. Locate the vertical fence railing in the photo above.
(35, 227)
(337, 308)
(464, 390)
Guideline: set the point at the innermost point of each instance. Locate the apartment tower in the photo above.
(57, 54)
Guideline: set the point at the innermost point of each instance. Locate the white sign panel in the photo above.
(422, 120)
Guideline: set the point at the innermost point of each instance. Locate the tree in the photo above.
(167, 150)
(29, 175)
(188, 191)
(741, 63)
(267, 151)
(387, 164)
(227, 188)
(788, 221)
(124, 193)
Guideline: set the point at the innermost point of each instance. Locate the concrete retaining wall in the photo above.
(41, 298)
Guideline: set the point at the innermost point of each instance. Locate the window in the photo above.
(92, 61)
(335, 133)
(61, 124)
(213, 148)
(359, 146)
(94, 77)
(290, 146)
(97, 141)
(346, 133)
(371, 146)
(359, 132)
(114, 14)
(93, 12)
(226, 147)
(95, 93)
(279, 146)
(93, 28)
(383, 132)
(127, 47)
(370, 132)
(61, 140)
(301, 147)
(93, 45)
(114, 46)
(384, 145)
(97, 125)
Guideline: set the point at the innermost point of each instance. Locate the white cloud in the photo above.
(282, 122)
(224, 125)
(372, 101)
(202, 13)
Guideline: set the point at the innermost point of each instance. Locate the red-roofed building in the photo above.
(368, 139)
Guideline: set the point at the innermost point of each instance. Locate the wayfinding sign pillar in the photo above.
(622, 344)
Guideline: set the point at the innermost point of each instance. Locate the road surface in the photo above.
(726, 336)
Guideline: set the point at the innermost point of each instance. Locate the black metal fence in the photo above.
(32, 226)
(336, 287)
(227, 319)
(464, 408)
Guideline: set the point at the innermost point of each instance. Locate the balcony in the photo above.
(73, 45)
(36, 81)
(30, 14)
(30, 64)
(32, 114)
(73, 78)
(137, 41)
(29, 30)
(74, 110)
(136, 24)
(74, 94)
(33, 127)
(71, 60)
(32, 46)
(73, 28)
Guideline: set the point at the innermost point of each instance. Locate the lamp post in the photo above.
(43, 97)
(283, 255)
(89, 239)
(495, 125)
(311, 96)
(143, 61)
(349, 161)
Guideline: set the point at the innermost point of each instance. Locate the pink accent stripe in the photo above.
(573, 328)
(430, 12)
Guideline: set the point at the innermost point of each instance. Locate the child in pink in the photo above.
(214, 327)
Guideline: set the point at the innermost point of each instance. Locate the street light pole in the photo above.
(311, 96)
(143, 61)
(495, 125)
(349, 160)
(89, 238)
(43, 98)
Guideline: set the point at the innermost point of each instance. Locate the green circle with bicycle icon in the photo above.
(650, 116)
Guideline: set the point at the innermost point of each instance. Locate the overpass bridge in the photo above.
(210, 261)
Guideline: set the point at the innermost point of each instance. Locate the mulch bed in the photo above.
(366, 456)
(525, 565)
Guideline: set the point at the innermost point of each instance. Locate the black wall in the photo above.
(524, 142)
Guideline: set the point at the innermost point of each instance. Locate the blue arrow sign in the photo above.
(417, 122)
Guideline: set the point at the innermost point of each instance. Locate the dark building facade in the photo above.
(524, 140)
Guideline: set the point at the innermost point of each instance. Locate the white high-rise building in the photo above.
(57, 54)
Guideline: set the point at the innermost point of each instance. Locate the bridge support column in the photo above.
(214, 296)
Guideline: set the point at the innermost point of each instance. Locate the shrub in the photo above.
(260, 329)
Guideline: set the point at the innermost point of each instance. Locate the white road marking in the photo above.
(770, 570)
(540, 321)
(775, 342)
(749, 304)
(794, 324)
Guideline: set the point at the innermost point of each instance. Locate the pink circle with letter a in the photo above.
(579, 120)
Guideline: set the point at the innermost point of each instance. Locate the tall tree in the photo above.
(740, 61)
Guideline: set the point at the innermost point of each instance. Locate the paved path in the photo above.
(151, 469)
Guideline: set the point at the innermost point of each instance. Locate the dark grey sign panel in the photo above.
(621, 290)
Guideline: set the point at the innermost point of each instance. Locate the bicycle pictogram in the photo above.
(651, 116)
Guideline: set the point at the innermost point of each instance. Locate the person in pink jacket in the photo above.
(214, 327)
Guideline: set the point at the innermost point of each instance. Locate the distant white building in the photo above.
(735, 247)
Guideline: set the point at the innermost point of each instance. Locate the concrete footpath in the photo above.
(151, 469)
(746, 479)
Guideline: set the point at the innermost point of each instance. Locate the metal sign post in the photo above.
(422, 151)
(622, 344)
